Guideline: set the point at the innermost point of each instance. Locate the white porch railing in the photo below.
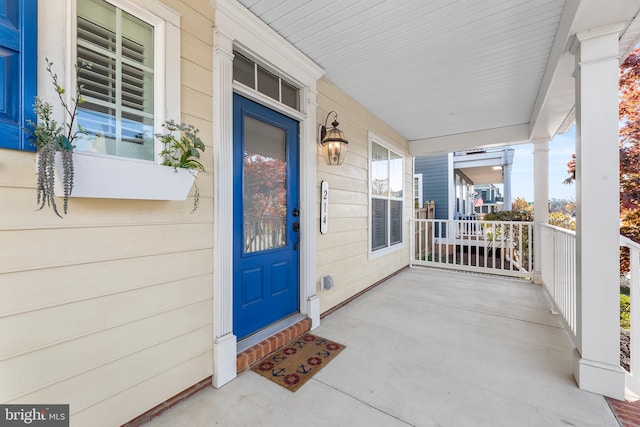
(633, 377)
(504, 248)
(558, 270)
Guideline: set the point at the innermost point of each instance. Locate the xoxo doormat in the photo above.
(298, 361)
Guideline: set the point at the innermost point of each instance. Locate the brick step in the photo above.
(253, 355)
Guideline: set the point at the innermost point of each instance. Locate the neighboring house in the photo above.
(432, 178)
(130, 299)
(454, 182)
(487, 199)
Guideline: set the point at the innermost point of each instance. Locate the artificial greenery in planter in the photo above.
(183, 152)
(49, 138)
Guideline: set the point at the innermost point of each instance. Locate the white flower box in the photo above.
(107, 177)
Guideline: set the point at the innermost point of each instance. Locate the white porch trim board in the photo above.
(236, 26)
(596, 359)
(540, 200)
(224, 342)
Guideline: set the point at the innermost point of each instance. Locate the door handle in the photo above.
(296, 228)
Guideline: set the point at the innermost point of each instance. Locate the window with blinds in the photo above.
(387, 192)
(118, 88)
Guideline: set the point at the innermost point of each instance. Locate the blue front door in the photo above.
(265, 216)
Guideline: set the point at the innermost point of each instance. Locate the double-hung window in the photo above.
(387, 196)
(120, 86)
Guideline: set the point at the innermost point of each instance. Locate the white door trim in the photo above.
(237, 26)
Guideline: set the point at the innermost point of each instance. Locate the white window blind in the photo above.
(118, 114)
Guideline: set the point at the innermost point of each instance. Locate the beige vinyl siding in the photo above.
(110, 308)
(344, 251)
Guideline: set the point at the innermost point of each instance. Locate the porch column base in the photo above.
(313, 307)
(537, 278)
(224, 360)
(607, 380)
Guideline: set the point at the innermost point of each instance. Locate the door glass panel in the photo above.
(265, 190)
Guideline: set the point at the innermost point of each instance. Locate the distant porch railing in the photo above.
(497, 247)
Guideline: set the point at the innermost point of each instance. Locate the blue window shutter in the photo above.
(18, 65)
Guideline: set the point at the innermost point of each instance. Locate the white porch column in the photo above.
(309, 301)
(506, 184)
(540, 200)
(597, 356)
(224, 342)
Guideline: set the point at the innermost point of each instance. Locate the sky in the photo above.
(560, 150)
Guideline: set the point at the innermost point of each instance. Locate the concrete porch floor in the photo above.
(425, 348)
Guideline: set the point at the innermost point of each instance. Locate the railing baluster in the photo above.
(558, 271)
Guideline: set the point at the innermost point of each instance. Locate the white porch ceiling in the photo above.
(483, 175)
(450, 75)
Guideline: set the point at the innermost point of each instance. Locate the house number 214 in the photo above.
(324, 207)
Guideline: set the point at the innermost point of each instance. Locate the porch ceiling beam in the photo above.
(480, 163)
(488, 138)
(556, 95)
(553, 111)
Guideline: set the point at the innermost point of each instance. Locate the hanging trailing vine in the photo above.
(50, 138)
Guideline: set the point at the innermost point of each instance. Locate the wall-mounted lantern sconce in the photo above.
(333, 142)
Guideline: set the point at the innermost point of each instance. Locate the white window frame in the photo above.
(56, 44)
(161, 56)
(253, 92)
(159, 40)
(418, 177)
(373, 138)
(57, 41)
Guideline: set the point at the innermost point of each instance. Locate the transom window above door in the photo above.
(256, 77)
